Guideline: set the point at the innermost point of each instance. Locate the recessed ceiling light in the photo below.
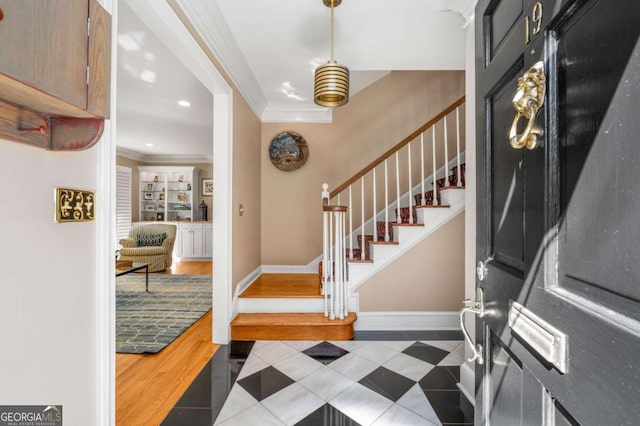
(148, 76)
(148, 144)
(184, 103)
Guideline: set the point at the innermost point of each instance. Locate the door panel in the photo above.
(558, 224)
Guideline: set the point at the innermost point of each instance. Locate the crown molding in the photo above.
(283, 113)
(163, 158)
(206, 17)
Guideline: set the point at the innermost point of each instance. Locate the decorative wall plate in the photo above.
(288, 151)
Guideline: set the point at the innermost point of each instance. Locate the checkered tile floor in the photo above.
(354, 382)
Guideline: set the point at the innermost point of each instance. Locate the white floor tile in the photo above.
(353, 366)
(237, 401)
(416, 401)
(298, 366)
(361, 404)
(255, 415)
(398, 345)
(302, 345)
(408, 366)
(275, 352)
(349, 345)
(446, 345)
(374, 351)
(400, 416)
(452, 360)
(326, 383)
(293, 403)
(252, 365)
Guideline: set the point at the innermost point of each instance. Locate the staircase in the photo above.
(324, 306)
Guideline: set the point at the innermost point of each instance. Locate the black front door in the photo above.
(558, 161)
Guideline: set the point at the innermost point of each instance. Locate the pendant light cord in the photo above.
(332, 30)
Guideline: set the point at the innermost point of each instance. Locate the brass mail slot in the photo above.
(549, 342)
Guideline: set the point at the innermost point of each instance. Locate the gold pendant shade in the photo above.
(331, 80)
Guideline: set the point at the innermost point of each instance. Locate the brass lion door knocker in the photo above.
(527, 102)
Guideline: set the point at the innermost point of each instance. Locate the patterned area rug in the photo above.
(147, 322)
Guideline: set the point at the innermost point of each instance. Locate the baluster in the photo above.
(364, 243)
(325, 260)
(344, 280)
(422, 168)
(458, 146)
(446, 154)
(410, 184)
(398, 218)
(350, 225)
(386, 202)
(340, 237)
(332, 270)
(375, 223)
(433, 149)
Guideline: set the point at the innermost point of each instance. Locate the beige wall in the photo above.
(428, 277)
(246, 190)
(205, 170)
(373, 121)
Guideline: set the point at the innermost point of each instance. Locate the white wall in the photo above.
(47, 284)
(467, 370)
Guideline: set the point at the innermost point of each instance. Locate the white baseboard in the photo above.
(243, 284)
(407, 321)
(467, 382)
(310, 268)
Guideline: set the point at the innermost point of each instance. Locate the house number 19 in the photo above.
(536, 18)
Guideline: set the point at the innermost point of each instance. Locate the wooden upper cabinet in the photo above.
(49, 46)
(55, 62)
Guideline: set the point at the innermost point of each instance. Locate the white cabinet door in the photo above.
(187, 242)
(208, 241)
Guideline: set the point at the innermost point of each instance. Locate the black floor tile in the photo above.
(327, 415)
(455, 371)
(189, 416)
(240, 348)
(325, 352)
(387, 383)
(450, 406)
(439, 378)
(265, 383)
(426, 353)
(198, 395)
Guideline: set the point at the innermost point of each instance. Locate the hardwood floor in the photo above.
(148, 386)
(285, 285)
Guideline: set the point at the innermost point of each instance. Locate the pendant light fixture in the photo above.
(331, 80)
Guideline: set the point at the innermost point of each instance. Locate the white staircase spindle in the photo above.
(325, 260)
(338, 264)
(410, 184)
(375, 224)
(398, 218)
(422, 168)
(446, 154)
(386, 202)
(350, 225)
(344, 279)
(332, 267)
(458, 146)
(364, 243)
(433, 159)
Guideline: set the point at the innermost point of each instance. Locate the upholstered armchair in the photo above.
(150, 243)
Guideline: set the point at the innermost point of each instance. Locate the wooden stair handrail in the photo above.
(398, 146)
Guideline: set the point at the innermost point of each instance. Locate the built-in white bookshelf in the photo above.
(168, 193)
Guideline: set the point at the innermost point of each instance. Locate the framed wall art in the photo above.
(207, 186)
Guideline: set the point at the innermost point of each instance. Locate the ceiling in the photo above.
(270, 49)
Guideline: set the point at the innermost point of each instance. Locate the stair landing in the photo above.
(284, 285)
(287, 307)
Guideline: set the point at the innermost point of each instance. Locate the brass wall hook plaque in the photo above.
(527, 102)
(74, 205)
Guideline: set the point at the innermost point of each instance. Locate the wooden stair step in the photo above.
(291, 326)
(284, 285)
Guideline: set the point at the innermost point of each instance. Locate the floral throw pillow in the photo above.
(151, 240)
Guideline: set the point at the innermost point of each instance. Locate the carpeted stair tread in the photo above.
(441, 206)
